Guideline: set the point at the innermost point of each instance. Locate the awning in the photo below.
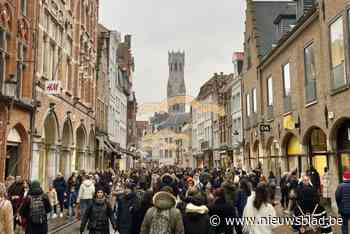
(112, 150)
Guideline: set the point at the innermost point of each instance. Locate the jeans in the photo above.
(71, 212)
(84, 205)
(344, 226)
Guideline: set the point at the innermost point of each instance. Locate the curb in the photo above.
(63, 227)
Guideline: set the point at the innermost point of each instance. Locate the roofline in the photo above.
(302, 23)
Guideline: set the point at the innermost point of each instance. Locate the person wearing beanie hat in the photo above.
(342, 196)
(36, 214)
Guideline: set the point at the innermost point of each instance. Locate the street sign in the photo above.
(52, 87)
(265, 128)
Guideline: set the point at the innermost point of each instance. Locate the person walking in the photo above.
(86, 194)
(52, 195)
(342, 196)
(163, 217)
(258, 206)
(61, 187)
(98, 215)
(6, 212)
(35, 209)
(284, 191)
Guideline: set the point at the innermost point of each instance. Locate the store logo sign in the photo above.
(52, 87)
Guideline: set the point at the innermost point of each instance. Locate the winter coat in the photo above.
(87, 190)
(32, 228)
(61, 187)
(15, 194)
(163, 201)
(241, 201)
(326, 181)
(223, 209)
(266, 210)
(97, 218)
(306, 196)
(317, 211)
(52, 195)
(6, 217)
(196, 220)
(126, 208)
(342, 196)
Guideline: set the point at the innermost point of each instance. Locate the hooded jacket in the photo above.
(196, 219)
(164, 201)
(87, 190)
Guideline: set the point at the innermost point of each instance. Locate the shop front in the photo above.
(273, 158)
(296, 160)
(343, 147)
(317, 149)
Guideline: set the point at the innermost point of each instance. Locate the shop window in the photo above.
(337, 54)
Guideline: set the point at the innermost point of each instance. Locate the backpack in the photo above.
(37, 212)
(161, 222)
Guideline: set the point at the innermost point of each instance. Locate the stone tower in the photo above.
(176, 91)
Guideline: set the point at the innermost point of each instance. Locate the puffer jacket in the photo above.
(87, 190)
(164, 201)
(196, 220)
(97, 217)
(342, 196)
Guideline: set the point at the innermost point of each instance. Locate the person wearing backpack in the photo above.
(6, 212)
(163, 217)
(35, 209)
(98, 215)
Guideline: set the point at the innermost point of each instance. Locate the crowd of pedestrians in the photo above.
(170, 200)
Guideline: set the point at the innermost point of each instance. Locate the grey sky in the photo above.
(208, 31)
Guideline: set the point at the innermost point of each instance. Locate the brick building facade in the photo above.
(17, 21)
(302, 88)
(65, 123)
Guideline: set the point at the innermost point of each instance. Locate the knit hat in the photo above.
(346, 175)
(35, 185)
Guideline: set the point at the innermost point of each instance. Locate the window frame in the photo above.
(345, 46)
(306, 78)
(254, 101)
(248, 106)
(283, 80)
(268, 89)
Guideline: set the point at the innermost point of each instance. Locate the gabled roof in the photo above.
(265, 13)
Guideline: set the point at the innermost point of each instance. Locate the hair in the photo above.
(244, 186)
(326, 169)
(261, 196)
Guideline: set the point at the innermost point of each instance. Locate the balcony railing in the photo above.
(310, 89)
(287, 103)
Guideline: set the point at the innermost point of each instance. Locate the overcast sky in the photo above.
(208, 31)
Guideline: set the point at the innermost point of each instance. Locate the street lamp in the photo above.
(11, 87)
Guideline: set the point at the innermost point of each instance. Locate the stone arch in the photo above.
(80, 147)
(17, 148)
(334, 131)
(340, 145)
(51, 134)
(66, 148)
(49, 160)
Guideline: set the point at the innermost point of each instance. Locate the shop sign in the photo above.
(265, 128)
(288, 122)
(52, 87)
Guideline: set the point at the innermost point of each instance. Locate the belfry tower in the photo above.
(176, 91)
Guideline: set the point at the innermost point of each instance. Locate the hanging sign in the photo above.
(52, 87)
